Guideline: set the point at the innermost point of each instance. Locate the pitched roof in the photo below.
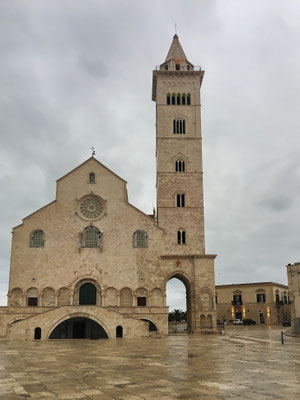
(86, 161)
(176, 51)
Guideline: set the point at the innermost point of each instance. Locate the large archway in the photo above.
(179, 296)
(79, 328)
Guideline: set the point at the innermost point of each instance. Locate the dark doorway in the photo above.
(152, 326)
(79, 328)
(238, 315)
(87, 294)
(37, 334)
(119, 331)
(261, 318)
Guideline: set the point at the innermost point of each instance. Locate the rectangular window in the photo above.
(32, 301)
(237, 300)
(177, 67)
(261, 298)
(141, 301)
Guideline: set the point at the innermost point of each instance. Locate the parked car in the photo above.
(249, 321)
(286, 323)
(237, 322)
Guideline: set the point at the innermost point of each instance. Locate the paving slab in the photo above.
(243, 364)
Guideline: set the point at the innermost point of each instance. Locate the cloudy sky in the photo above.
(77, 73)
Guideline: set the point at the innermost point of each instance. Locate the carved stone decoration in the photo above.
(91, 207)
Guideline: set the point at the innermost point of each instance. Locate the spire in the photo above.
(176, 52)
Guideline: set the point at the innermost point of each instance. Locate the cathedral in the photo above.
(90, 265)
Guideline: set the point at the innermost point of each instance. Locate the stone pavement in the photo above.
(246, 363)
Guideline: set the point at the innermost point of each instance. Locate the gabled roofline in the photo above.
(36, 211)
(146, 215)
(86, 161)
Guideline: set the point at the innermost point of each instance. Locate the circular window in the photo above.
(91, 207)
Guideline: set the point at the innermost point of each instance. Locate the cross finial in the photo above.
(175, 28)
(93, 151)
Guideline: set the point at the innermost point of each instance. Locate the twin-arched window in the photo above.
(37, 238)
(91, 237)
(140, 239)
(181, 237)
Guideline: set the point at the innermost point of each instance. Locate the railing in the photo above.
(182, 68)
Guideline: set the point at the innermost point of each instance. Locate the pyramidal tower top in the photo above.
(176, 51)
(175, 64)
(176, 59)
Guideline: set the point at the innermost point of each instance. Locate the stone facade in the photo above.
(293, 272)
(92, 256)
(264, 302)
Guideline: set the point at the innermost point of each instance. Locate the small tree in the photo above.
(177, 316)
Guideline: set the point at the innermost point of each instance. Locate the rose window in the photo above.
(91, 207)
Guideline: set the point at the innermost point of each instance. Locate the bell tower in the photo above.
(179, 176)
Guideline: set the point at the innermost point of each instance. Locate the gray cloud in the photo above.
(77, 74)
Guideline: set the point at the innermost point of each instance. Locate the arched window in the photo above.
(91, 237)
(37, 238)
(168, 98)
(166, 67)
(119, 331)
(140, 239)
(181, 237)
(37, 333)
(179, 165)
(183, 99)
(177, 67)
(173, 99)
(178, 99)
(88, 294)
(188, 99)
(178, 126)
(180, 200)
(92, 178)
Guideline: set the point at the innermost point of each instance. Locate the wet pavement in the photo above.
(246, 363)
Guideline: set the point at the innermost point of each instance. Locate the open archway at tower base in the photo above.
(185, 299)
(79, 328)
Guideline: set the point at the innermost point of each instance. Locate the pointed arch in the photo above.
(185, 279)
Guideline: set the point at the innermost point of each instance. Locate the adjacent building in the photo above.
(293, 272)
(91, 265)
(264, 302)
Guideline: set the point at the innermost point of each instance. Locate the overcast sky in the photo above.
(76, 74)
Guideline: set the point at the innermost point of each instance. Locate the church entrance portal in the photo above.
(87, 294)
(179, 293)
(79, 328)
